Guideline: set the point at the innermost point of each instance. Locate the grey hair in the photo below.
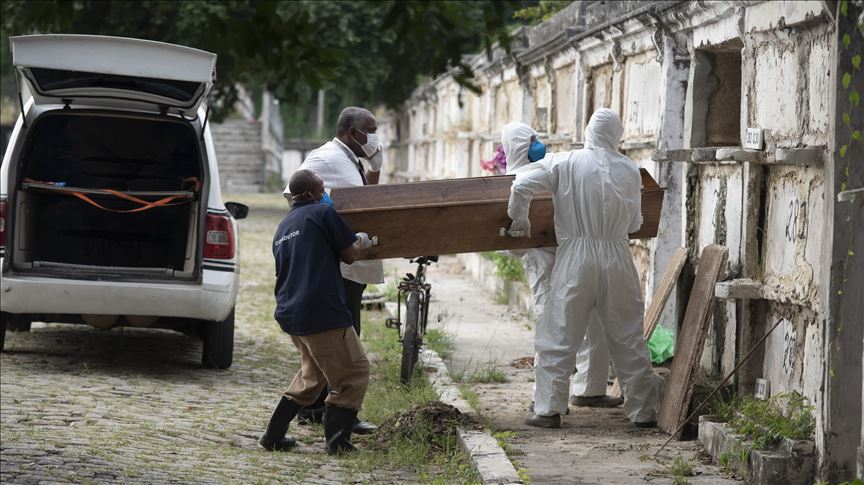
(352, 117)
(303, 181)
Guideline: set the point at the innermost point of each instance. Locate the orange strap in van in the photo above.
(170, 200)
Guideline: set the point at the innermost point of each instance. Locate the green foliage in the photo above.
(679, 469)
(725, 460)
(541, 12)
(365, 52)
(391, 289)
(724, 407)
(440, 342)
(506, 267)
(766, 424)
(470, 397)
(487, 373)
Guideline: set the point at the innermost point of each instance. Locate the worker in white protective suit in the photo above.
(597, 200)
(524, 151)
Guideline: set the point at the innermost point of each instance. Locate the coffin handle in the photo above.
(503, 231)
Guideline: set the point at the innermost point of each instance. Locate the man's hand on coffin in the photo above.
(363, 241)
(377, 159)
(520, 228)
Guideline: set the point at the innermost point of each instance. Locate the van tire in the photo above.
(4, 320)
(218, 340)
(19, 325)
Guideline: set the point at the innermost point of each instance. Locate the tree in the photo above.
(369, 52)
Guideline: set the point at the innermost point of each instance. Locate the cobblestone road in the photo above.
(134, 406)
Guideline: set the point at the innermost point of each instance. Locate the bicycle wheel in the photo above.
(410, 337)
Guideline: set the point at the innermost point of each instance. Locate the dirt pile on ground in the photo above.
(433, 422)
(523, 362)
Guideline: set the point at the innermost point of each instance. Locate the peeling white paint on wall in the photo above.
(642, 111)
(776, 100)
(795, 198)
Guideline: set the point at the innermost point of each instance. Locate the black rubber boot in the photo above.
(274, 438)
(364, 427)
(314, 413)
(338, 425)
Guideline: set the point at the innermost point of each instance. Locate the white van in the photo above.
(110, 208)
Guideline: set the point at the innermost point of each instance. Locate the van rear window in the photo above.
(53, 79)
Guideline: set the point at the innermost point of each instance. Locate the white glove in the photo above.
(377, 159)
(363, 241)
(520, 228)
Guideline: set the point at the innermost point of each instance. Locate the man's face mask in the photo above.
(536, 151)
(325, 199)
(309, 197)
(371, 145)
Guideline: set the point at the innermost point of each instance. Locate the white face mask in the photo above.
(371, 145)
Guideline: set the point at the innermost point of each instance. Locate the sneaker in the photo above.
(596, 401)
(553, 421)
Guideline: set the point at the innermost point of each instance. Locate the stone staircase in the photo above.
(240, 156)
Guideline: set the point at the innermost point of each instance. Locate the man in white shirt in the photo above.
(338, 163)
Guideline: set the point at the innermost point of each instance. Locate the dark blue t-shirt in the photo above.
(310, 294)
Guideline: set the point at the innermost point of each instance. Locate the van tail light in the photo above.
(219, 237)
(4, 218)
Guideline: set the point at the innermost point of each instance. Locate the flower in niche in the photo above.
(497, 164)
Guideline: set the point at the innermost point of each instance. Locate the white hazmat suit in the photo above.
(592, 361)
(597, 200)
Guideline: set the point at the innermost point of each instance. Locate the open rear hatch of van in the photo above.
(114, 72)
(110, 192)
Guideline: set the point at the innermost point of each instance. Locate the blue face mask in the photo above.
(325, 199)
(536, 151)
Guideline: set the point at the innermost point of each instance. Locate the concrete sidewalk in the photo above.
(593, 445)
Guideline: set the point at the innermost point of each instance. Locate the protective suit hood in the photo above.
(516, 139)
(604, 130)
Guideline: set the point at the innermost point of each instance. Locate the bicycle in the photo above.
(415, 290)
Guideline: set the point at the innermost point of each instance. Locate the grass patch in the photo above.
(679, 469)
(724, 407)
(725, 460)
(470, 397)
(439, 341)
(501, 437)
(437, 460)
(487, 373)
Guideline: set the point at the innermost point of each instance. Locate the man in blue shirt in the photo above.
(310, 306)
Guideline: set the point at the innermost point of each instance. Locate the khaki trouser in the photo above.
(334, 357)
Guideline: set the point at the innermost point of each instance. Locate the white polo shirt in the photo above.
(338, 167)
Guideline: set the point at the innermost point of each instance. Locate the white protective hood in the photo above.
(604, 130)
(516, 140)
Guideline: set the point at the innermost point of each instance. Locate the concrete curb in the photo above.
(488, 458)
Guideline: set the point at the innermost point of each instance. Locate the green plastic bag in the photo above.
(661, 345)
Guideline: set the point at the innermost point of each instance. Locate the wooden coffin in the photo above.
(458, 216)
